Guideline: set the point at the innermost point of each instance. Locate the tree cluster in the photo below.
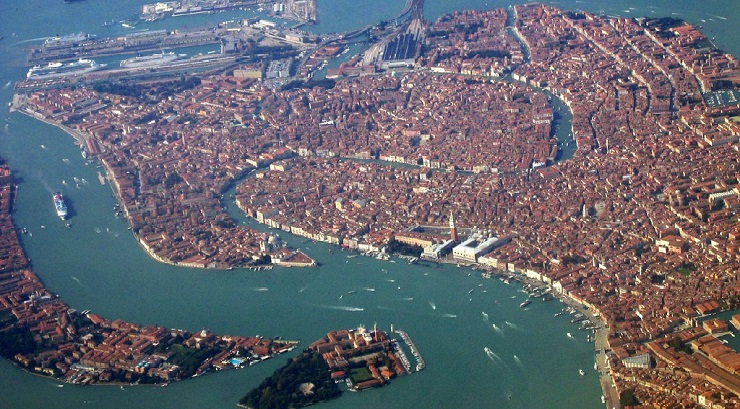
(282, 390)
(396, 247)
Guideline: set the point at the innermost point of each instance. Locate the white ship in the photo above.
(57, 69)
(60, 206)
(153, 60)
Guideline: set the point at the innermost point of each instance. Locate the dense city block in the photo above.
(640, 227)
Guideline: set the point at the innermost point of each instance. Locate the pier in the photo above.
(420, 364)
(402, 356)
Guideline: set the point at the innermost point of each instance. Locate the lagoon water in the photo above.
(97, 264)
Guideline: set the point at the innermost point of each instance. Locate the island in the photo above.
(362, 358)
(596, 155)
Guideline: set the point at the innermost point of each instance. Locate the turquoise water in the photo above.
(97, 264)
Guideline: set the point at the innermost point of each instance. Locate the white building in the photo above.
(470, 249)
(437, 250)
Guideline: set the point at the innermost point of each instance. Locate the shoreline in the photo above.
(601, 333)
(79, 137)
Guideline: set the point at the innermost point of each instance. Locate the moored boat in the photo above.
(57, 69)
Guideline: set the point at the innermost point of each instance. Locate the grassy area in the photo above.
(686, 268)
(189, 359)
(360, 375)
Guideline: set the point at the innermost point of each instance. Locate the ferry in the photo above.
(68, 39)
(60, 206)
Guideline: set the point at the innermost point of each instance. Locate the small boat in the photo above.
(582, 372)
(569, 335)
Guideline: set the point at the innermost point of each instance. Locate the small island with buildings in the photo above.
(360, 358)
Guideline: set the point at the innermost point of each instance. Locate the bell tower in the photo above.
(453, 229)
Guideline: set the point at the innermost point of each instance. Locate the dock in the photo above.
(420, 364)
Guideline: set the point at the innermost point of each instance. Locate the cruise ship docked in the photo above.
(57, 69)
(153, 60)
(60, 206)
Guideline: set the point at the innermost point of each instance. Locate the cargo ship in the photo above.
(60, 206)
(57, 69)
(147, 61)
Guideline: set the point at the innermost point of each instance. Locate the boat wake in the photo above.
(407, 299)
(449, 315)
(77, 280)
(492, 355)
(303, 289)
(260, 289)
(497, 329)
(7, 84)
(433, 305)
(369, 289)
(31, 40)
(485, 316)
(343, 308)
(518, 361)
(512, 325)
